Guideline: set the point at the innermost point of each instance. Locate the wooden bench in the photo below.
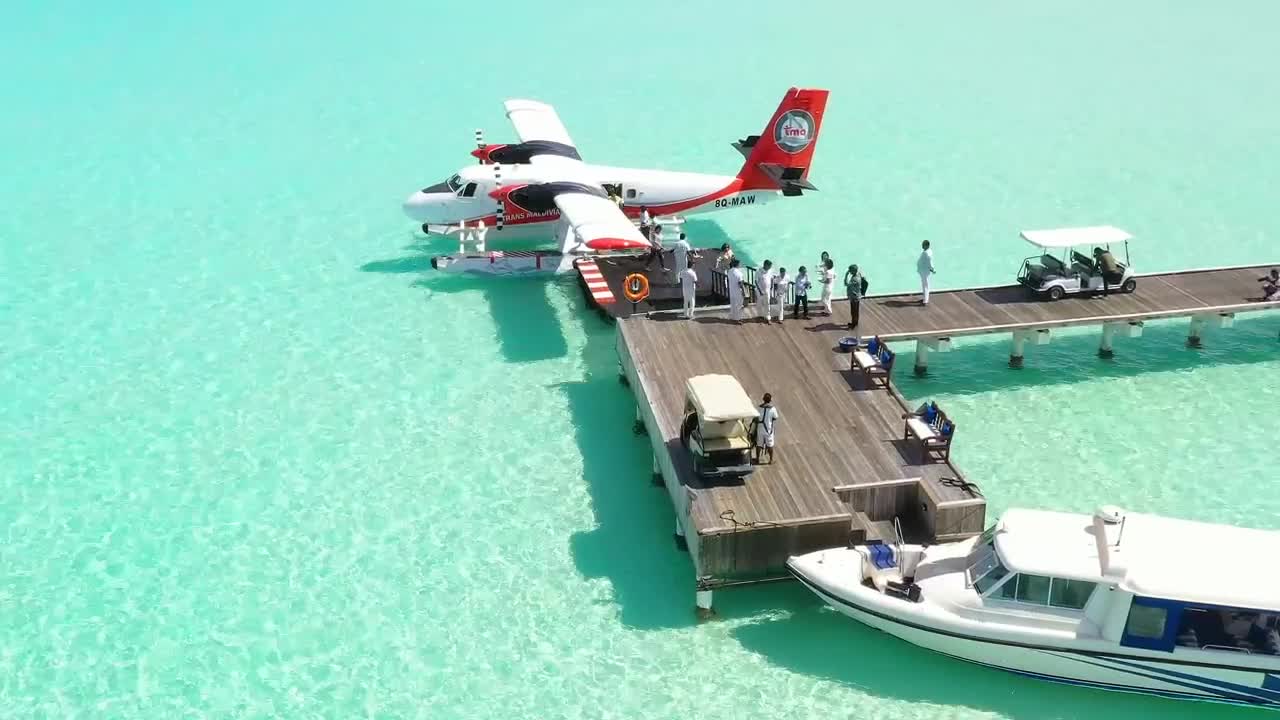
(875, 362)
(932, 429)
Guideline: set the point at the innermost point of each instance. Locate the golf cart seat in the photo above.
(1052, 265)
(721, 444)
(1081, 263)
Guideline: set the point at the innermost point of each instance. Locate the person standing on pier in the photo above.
(680, 250)
(924, 266)
(765, 424)
(802, 294)
(780, 282)
(736, 284)
(855, 284)
(688, 287)
(726, 257)
(1107, 266)
(827, 276)
(646, 221)
(764, 288)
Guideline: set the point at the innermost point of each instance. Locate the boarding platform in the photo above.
(603, 278)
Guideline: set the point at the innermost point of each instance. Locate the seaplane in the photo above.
(541, 189)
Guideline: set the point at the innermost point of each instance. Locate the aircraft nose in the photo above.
(418, 206)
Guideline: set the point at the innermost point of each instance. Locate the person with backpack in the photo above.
(855, 285)
(763, 427)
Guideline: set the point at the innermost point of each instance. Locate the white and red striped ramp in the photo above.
(595, 282)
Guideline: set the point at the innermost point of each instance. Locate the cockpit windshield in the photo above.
(454, 183)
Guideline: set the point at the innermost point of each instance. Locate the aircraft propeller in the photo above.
(480, 145)
(501, 216)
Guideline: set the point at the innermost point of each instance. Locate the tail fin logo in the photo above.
(794, 131)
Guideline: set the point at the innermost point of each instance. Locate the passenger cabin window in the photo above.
(631, 193)
(1072, 594)
(1033, 589)
(1041, 590)
(469, 190)
(1146, 621)
(1229, 629)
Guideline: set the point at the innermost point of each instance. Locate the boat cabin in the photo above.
(1140, 581)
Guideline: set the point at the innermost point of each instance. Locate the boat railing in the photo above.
(1232, 648)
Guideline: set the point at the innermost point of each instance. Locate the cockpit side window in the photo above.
(454, 183)
(469, 190)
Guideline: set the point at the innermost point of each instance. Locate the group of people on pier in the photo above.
(772, 287)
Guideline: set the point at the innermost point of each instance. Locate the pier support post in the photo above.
(703, 600)
(638, 428)
(657, 473)
(1016, 352)
(922, 358)
(1197, 328)
(681, 543)
(1108, 334)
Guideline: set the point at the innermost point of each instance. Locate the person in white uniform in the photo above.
(766, 422)
(924, 266)
(680, 249)
(688, 287)
(780, 282)
(764, 291)
(827, 276)
(735, 290)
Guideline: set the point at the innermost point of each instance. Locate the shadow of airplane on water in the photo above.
(527, 325)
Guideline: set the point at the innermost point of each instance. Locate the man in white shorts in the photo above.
(765, 424)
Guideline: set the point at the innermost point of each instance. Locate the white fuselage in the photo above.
(1073, 646)
(465, 197)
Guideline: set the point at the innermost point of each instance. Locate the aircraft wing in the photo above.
(536, 121)
(598, 222)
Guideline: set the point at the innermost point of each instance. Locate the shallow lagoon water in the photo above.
(259, 461)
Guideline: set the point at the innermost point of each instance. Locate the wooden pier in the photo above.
(843, 471)
(1210, 298)
(835, 430)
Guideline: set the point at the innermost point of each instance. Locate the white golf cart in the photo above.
(716, 426)
(1061, 269)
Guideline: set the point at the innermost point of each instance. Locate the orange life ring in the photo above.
(635, 287)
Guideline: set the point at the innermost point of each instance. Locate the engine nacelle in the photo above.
(520, 153)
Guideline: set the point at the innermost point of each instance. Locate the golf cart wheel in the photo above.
(1130, 285)
(1056, 292)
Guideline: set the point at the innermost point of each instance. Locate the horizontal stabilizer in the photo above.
(791, 180)
(745, 145)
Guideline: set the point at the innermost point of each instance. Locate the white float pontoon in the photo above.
(1062, 270)
(479, 260)
(1128, 602)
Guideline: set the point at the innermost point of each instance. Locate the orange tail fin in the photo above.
(779, 157)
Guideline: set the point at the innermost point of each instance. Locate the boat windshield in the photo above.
(987, 571)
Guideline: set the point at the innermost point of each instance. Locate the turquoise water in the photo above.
(258, 461)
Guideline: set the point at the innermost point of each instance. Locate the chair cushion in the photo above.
(920, 429)
(863, 359)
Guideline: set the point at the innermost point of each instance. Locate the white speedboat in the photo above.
(1120, 601)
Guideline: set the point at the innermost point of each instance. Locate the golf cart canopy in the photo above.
(719, 398)
(1075, 237)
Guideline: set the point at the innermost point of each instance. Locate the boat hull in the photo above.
(1110, 671)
